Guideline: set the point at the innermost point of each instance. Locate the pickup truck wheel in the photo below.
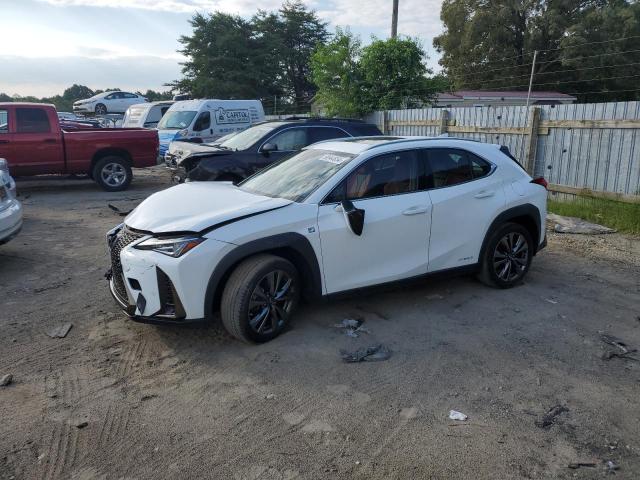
(112, 173)
(101, 109)
(259, 298)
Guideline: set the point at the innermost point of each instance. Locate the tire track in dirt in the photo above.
(131, 358)
(63, 450)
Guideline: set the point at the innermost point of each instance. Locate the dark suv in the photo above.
(244, 153)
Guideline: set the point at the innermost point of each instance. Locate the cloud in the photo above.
(25, 75)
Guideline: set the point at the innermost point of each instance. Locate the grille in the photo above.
(123, 238)
(170, 161)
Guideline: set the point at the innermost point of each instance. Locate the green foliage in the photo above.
(229, 57)
(336, 72)
(386, 74)
(489, 45)
(624, 217)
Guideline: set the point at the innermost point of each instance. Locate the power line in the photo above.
(589, 43)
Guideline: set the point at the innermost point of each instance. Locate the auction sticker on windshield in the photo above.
(333, 158)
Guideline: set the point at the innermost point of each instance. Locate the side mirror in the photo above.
(353, 216)
(269, 147)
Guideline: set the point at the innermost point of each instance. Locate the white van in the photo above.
(145, 115)
(204, 121)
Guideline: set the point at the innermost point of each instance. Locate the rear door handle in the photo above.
(49, 140)
(484, 194)
(418, 209)
(4, 141)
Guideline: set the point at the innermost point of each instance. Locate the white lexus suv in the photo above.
(338, 216)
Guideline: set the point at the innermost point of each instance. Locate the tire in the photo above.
(250, 308)
(507, 256)
(112, 173)
(101, 109)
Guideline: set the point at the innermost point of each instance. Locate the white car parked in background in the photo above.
(338, 216)
(10, 208)
(145, 115)
(108, 102)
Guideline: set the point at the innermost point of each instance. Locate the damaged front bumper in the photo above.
(155, 288)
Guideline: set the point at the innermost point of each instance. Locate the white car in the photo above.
(338, 216)
(108, 102)
(10, 208)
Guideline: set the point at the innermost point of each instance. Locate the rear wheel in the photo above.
(112, 173)
(259, 298)
(507, 256)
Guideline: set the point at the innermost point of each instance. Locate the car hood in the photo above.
(182, 150)
(197, 206)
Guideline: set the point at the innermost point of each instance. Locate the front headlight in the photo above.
(174, 247)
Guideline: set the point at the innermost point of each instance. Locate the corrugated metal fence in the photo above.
(581, 149)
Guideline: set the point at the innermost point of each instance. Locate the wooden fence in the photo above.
(581, 149)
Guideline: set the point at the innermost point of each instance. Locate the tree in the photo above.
(221, 56)
(77, 92)
(154, 96)
(290, 38)
(489, 45)
(386, 74)
(394, 74)
(336, 72)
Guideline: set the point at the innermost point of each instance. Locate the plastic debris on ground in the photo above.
(375, 353)
(60, 331)
(622, 349)
(119, 211)
(612, 466)
(6, 380)
(352, 326)
(549, 418)
(576, 465)
(455, 415)
(576, 225)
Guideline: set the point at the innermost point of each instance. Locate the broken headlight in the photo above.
(174, 246)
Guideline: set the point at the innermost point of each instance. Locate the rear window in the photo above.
(32, 120)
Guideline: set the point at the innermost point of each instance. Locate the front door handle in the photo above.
(4, 141)
(484, 194)
(49, 140)
(418, 209)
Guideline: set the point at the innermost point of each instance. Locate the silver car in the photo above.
(10, 208)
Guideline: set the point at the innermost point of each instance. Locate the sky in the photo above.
(49, 45)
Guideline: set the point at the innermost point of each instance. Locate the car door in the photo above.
(5, 135)
(36, 144)
(466, 195)
(394, 241)
(286, 142)
(202, 127)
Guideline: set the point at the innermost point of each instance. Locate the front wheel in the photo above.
(507, 256)
(259, 298)
(112, 173)
(101, 109)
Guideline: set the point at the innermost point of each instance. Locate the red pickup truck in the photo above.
(33, 143)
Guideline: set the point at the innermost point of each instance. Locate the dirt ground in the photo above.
(119, 400)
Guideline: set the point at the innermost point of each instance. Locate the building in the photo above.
(485, 98)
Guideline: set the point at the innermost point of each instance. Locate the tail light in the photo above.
(541, 181)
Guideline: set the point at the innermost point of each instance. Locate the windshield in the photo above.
(297, 177)
(176, 120)
(246, 138)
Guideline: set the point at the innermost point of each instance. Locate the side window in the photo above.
(319, 134)
(479, 167)
(290, 140)
(32, 120)
(203, 122)
(447, 167)
(389, 174)
(111, 96)
(130, 95)
(4, 121)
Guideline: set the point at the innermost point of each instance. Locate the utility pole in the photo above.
(394, 20)
(533, 68)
